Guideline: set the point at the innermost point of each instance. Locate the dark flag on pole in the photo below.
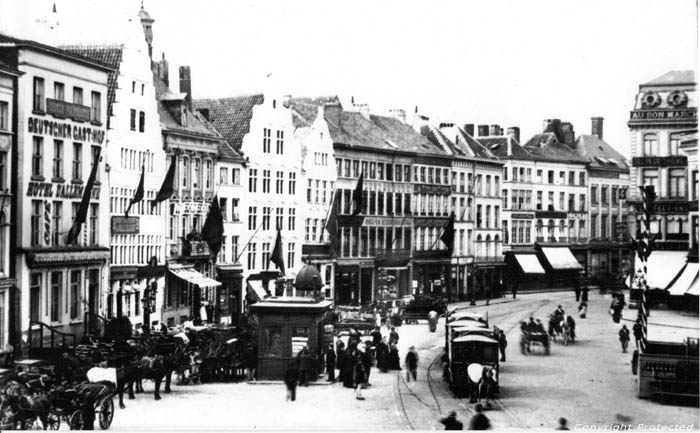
(357, 195)
(168, 187)
(138, 196)
(85, 201)
(448, 233)
(213, 228)
(332, 226)
(277, 256)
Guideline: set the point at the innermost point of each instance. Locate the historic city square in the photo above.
(319, 215)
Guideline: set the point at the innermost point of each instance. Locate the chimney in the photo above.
(509, 137)
(514, 132)
(483, 130)
(568, 136)
(162, 70)
(597, 127)
(286, 100)
(186, 85)
(551, 125)
(469, 128)
(398, 113)
(493, 131)
(364, 110)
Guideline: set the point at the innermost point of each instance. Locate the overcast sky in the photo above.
(511, 62)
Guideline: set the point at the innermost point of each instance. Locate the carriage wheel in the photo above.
(106, 413)
(75, 422)
(53, 421)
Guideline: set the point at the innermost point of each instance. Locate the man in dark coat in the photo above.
(502, 344)
(637, 331)
(366, 362)
(291, 377)
(376, 337)
(451, 422)
(163, 328)
(382, 355)
(340, 359)
(304, 362)
(330, 363)
(393, 337)
(349, 367)
(479, 421)
(411, 362)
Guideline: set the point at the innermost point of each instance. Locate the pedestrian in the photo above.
(583, 309)
(479, 421)
(515, 289)
(330, 363)
(349, 367)
(251, 362)
(359, 377)
(451, 422)
(635, 360)
(411, 363)
(376, 336)
(393, 336)
(523, 338)
(577, 290)
(163, 328)
(378, 319)
(637, 331)
(584, 294)
(382, 355)
(366, 358)
(291, 378)
(502, 344)
(624, 338)
(394, 361)
(562, 424)
(340, 360)
(304, 363)
(432, 320)
(488, 295)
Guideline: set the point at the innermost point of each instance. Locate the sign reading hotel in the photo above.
(60, 190)
(664, 115)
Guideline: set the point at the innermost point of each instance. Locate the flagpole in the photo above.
(248, 243)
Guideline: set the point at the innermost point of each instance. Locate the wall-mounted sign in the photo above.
(122, 225)
(522, 216)
(550, 214)
(60, 190)
(430, 222)
(55, 129)
(664, 115)
(350, 220)
(660, 161)
(432, 189)
(387, 221)
(64, 109)
(682, 207)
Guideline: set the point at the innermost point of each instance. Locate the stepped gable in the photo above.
(230, 116)
(110, 55)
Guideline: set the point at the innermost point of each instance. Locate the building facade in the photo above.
(61, 134)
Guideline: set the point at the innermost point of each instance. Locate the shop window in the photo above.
(272, 344)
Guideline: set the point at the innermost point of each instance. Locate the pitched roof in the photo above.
(600, 154)
(546, 147)
(498, 145)
(303, 115)
(7, 41)
(110, 55)
(463, 144)
(228, 153)
(673, 78)
(231, 116)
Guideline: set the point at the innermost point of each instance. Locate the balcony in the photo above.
(190, 249)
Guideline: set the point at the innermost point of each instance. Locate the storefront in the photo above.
(354, 282)
(190, 295)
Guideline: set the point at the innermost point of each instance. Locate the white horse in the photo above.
(484, 380)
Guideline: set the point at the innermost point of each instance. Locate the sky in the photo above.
(506, 62)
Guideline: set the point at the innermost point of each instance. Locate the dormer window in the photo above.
(183, 115)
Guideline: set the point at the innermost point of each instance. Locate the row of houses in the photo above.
(453, 210)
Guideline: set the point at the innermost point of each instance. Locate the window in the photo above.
(650, 176)
(236, 176)
(696, 191)
(207, 174)
(309, 190)
(75, 291)
(36, 217)
(142, 121)
(676, 182)
(603, 226)
(266, 218)
(292, 183)
(594, 194)
(614, 195)
(562, 197)
(582, 202)
(380, 171)
(251, 255)
(234, 249)
(550, 177)
(280, 142)
(37, 156)
(223, 205)
(143, 89)
(196, 173)
(562, 178)
(132, 120)
(279, 184)
(539, 200)
(582, 178)
(57, 160)
(356, 168)
(266, 255)
(35, 297)
(266, 181)
(38, 94)
(77, 166)
(56, 216)
(291, 218)
(674, 142)
(4, 116)
(594, 225)
(92, 238)
(406, 173)
(372, 170)
(550, 200)
(252, 217)
(604, 194)
(96, 109)
(651, 145)
(539, 176)
(279, 219)
(267, 134)
(133, 87)
(307, 229)
(290, 255)
(223, 176)
(59, 91)
(253, 180)
(56, 295)
(572, 203)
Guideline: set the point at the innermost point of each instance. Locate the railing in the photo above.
(53, 334)
(94, 323)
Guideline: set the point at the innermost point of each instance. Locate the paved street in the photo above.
(588, 382)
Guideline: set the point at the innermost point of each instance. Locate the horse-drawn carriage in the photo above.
(535, 338)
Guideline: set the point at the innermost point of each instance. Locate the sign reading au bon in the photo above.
(664, 114)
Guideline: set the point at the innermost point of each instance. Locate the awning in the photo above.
(561, 258)
(256, 287)
(529, 263)
(683, 284)
(194, 277)
(662, 267)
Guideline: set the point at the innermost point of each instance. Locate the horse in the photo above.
(568, 325)
(22, 408)
(487, 384)
(555, 327)
(158, 365)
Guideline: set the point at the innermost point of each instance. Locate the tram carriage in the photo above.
(466, 348)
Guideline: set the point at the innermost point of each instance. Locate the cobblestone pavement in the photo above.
(588, 382)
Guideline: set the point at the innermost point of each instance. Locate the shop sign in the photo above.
(550, 214)
(667, 115)
(60, 190)
(123, 273)
(430, 222)
(5, 142)
(522, 216)
(65, 130)
(122, 225)
(683, 207)
(63, 109)
(660, 161)
(374, 221)
(350, 220)
(432, 189)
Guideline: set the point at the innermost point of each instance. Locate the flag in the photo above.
(85, 202)
(138, 196)
(357, 195)
(277, 256)
(213, 229)
(448, 233)
(332, 225)
(168, 187)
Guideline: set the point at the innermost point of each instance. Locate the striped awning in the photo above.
(193, 277)
(686, 281)
(561, 258)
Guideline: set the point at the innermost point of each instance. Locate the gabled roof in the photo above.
(673, 78)
(600, 154)
(7, 41)
(463, 144)
(231, 116)
(228, 154)
(546, 147)
(303, 115)
(498, 145)
(110, 55)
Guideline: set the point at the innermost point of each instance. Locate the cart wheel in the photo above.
(106, 410)
(53, 421)
(75, 422)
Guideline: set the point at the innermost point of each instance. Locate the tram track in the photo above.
(437, 386)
